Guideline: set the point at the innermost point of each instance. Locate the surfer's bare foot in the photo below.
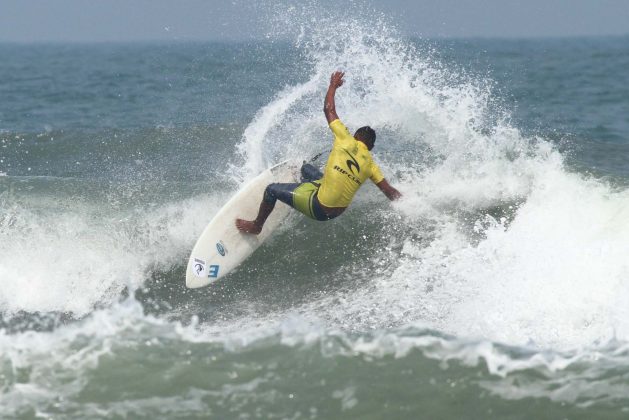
(247, 226)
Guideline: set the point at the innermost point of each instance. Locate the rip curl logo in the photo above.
(199, 267)
(344, 172)
(352, 163)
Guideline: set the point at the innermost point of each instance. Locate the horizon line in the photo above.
(194, 40)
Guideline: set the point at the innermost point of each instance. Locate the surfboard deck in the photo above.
(222, 247)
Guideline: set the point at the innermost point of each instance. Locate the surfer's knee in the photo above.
(270, 194)
(310, 173)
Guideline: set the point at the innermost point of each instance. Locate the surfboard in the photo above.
(222, 247)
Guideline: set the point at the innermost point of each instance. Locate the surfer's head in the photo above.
(367, 135)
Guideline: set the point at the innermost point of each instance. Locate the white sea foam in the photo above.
(71, 260)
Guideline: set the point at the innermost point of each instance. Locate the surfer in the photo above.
(324, 196)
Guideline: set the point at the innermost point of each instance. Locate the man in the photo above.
(325, 196)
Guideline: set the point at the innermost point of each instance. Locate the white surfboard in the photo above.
(222, 247)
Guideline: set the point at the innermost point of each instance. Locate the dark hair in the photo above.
(367, 135)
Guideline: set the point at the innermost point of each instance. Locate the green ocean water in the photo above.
(497, 288)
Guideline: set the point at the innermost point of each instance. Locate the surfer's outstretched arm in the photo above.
(329, 107)
(388, 190)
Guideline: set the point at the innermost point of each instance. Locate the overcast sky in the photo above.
(144, 20)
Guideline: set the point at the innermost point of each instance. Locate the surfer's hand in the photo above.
(388, 190)
(336, 80)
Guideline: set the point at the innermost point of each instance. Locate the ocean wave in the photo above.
(68, 370)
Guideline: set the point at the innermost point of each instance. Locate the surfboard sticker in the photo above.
(199, 268)
(220, 247)
(213, 271)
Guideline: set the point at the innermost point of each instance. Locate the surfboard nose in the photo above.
(197, 273)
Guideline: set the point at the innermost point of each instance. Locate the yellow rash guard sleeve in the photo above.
(376, 173)
(341, 133)
(349, 165)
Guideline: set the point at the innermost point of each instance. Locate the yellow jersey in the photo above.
(349, 165)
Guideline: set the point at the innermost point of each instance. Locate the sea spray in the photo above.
(497, 202)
